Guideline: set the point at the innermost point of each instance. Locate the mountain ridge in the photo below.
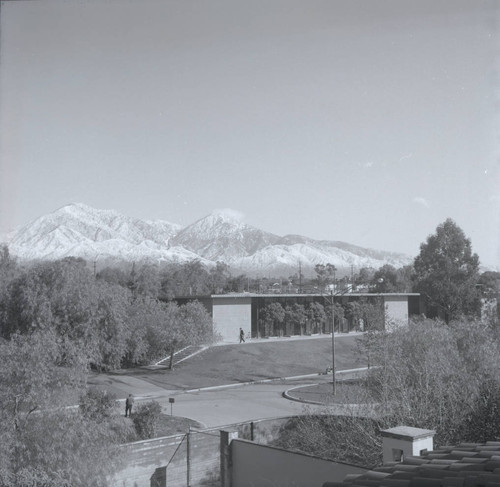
(106, 235)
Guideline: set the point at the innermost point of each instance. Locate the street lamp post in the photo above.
(332, 304)
(333, 345)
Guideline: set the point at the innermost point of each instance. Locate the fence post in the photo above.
(225, 457)
(188, 459)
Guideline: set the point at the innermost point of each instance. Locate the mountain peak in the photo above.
(229, 215)
(76, 207)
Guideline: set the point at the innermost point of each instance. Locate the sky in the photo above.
(366, 121)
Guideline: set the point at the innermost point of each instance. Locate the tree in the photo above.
(372, 314)
(218, 277)
(273, 316)
(237, 283)
(365, 276)
(354, 313)
(295, 317)
(97, 405)
(432, 376)
(146, 281)
(338, 311)
(489, 283)
(405, 279)
(483, 422)
(190, 278)
(446, 272)
(325, 274)
(8, 271)
(386, 279)
(189, 324)
(347, 438)
(316, 313)
(114, 275)
(44, 442)
(147, 336)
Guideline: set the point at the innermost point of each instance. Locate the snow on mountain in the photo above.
(82, 231)
(106, 235)
(223, 236)
(279, 257)
(353, 252)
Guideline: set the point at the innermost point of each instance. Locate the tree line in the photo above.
(316, 318)
(112, 325)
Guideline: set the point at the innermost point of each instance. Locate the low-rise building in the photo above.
(230, 312)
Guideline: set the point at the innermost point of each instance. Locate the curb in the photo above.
(242, 384)
(287, 395)
(275, 379)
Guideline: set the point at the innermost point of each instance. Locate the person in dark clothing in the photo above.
(242, 335)
(129, 402)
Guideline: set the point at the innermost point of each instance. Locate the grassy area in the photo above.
(255, 361)
(346, 392)
(174, 425)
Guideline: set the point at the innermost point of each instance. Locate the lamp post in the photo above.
(333, 345)
(332, 304)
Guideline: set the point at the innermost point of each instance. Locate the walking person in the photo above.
(129, 402)
(242, 335)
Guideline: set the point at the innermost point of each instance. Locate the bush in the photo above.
(146, 419)
(97, 405)
(348, 439)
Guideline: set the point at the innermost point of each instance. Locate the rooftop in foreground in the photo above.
(464, 465)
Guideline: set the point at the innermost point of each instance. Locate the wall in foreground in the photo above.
(142, 458)
(254, 464)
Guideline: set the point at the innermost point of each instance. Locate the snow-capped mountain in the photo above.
(105, 235)
(223, 236)
(82, 231)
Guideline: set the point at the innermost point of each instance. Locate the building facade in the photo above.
(230, 312)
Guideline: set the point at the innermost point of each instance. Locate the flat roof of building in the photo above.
(285, 295)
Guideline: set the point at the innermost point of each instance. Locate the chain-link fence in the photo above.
(196, 462)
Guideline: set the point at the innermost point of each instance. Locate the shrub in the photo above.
(97, 405)
(146, 419)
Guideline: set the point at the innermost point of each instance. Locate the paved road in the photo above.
(234, 405)
(214, 406)
(226, 405)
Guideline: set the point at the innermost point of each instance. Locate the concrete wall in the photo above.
(142, 458)
(396, 310)
(231, 313)
(254, 464)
